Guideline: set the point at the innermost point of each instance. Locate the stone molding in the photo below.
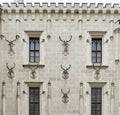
(75, 8)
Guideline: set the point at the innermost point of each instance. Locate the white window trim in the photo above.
(42, 96)
(97, 34)
(40, 35)
(104, 96)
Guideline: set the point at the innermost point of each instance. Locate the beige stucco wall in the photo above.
(48, 23)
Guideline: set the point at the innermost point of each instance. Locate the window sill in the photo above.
(30, 65)
(97, 66)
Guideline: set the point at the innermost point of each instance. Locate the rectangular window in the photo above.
(34, 50)
(34, 101)
(96, 50)
(96, 101)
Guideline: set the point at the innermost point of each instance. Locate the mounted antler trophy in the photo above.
(97, 70)
(65, 44)
(33, 72)
(10, 71)
(65, 72)
(11, 44)
(65, 97)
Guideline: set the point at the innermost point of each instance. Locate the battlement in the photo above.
(61, 6)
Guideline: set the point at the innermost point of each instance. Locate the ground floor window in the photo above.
(96, 101)
(34, 101)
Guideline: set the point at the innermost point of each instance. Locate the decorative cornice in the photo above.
(61, 6)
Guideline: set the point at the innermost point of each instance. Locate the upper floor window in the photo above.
(96, 101)
(96, 50)
(34, 50)
(34, 101)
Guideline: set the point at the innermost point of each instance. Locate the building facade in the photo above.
(59, 59)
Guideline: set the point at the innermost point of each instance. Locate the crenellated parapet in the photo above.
(61, 7)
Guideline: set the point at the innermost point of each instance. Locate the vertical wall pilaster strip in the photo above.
(18, 98)
(81, 99)
(3, 98)
(49, 98)
(112, 99)
(111, 28)
(48, 27)
(80, 27)
(117, 37)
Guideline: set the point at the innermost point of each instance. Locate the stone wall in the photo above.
(76, 24)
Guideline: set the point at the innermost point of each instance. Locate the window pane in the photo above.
(31, 53)
(98, 107)
(31, 44)
(94, 54)
(36, 59)
(31, 98)
(93, 113)
(37, 45)
(36, 112)
(99, 45)
(97, 50)
(36, 107)
(94, 45)
(94, 60)
(99, 54)
(31, 112)
(31, 59)
(99, 60)
(37, 54)
(36, 98)
(34, 49)
(98, 113)
(31, 107)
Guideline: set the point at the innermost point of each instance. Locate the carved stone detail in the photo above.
(81, 90)
(65, 72)
(97, 71)
(11, 44)
(65, 97)
(33, 72)
(11, 73)
(65, 44)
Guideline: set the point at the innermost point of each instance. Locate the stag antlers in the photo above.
(65, 72)
(11, 44)
(65, 43)
(33, 72)
(97, 70)
(65, 97)
(10, 71)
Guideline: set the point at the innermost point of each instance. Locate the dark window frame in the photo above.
(96, 58)
(34, 51)
(34, 103)
(96, 104)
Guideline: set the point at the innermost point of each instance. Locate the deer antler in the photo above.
(69, 39)
(16, 37)
(62, 91)
(69, 67)
(65, 93)
(13, 66)
(7, 40)
(68, 91)
(60, 39)
(66, 68)
(7, 66)
(62, 67)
